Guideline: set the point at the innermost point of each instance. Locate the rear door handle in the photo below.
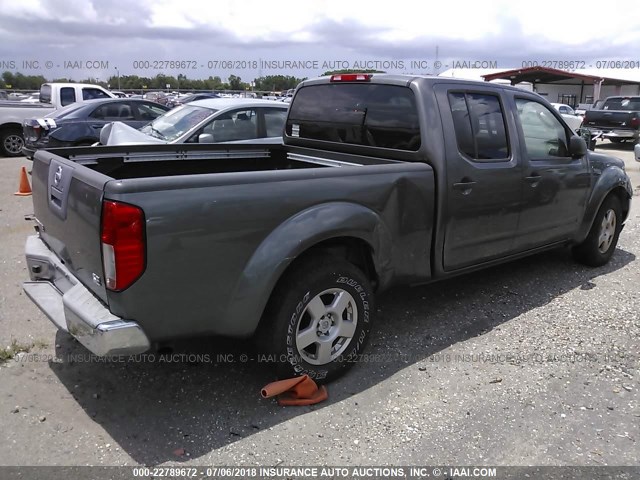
(464, 187)
(533, 179)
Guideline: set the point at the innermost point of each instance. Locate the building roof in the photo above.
(552, 75)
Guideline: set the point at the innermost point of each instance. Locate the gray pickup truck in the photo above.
(381, 180)
(618, 120)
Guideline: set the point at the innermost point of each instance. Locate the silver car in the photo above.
(206, 121)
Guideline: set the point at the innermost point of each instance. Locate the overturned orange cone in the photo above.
(25, 188)
(296, 391)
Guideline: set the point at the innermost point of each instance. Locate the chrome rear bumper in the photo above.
(74, 309)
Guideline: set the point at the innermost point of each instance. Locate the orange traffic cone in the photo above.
(25, 188)
(296, 391)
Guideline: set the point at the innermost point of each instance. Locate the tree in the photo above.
(235, 83)
(276, 83)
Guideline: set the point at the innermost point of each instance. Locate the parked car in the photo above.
(154, 96)
(618, 120)
(80, 123)
(3, 95)
(52, 96)
(205, 121)
(382, 180)
(119, 94)
(569, 115)
(174, 102)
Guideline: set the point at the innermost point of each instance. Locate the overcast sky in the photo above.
(225, 37)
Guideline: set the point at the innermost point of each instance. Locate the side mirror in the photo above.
(577, 146)
(205, 138)
(636, 150)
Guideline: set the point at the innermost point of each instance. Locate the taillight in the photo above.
(635, 122)
(351, 77)
(122, 232)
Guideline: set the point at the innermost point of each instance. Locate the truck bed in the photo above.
(232, 209)
(173, 160)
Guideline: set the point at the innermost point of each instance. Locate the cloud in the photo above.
(123, 31)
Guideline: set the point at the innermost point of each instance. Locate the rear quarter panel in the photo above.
(217, 244)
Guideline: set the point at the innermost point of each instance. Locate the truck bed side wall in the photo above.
(217, 244)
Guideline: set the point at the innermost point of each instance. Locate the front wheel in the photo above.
(318, 319)
(11, 142)
(598, 247)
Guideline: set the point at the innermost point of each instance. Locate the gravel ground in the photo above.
(530, 363)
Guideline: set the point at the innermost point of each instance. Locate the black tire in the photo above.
(598, 247)
(321, 279)
(11, 142)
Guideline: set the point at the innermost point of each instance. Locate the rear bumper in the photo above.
(615, 133)
(74, 309)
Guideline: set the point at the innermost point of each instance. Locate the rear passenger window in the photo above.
(93, 93)
(479, 126)
(113, 112)
(274, 121)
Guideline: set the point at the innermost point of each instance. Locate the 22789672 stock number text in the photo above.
(194, 65)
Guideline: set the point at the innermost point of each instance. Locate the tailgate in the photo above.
(606, 119)
(67, 202)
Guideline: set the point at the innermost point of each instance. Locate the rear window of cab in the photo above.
(383, 116)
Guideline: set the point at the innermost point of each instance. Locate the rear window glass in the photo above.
(361, 114)
(45, 93)
(630, 104)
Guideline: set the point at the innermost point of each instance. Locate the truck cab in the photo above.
(63, 94)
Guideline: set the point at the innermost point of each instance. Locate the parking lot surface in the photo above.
(535, 362)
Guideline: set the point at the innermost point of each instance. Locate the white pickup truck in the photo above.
(52, 97)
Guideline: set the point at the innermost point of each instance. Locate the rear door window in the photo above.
(479, 125)
(91, 93)
(115, 111)
(374, 115)
(274, 119)
(234, 125)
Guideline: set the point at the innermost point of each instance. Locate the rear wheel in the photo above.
(11, 142)
(318, 319)
(598, 247)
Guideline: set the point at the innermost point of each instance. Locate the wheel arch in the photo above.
(10, 126)
(350, 231)
(613, 181)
